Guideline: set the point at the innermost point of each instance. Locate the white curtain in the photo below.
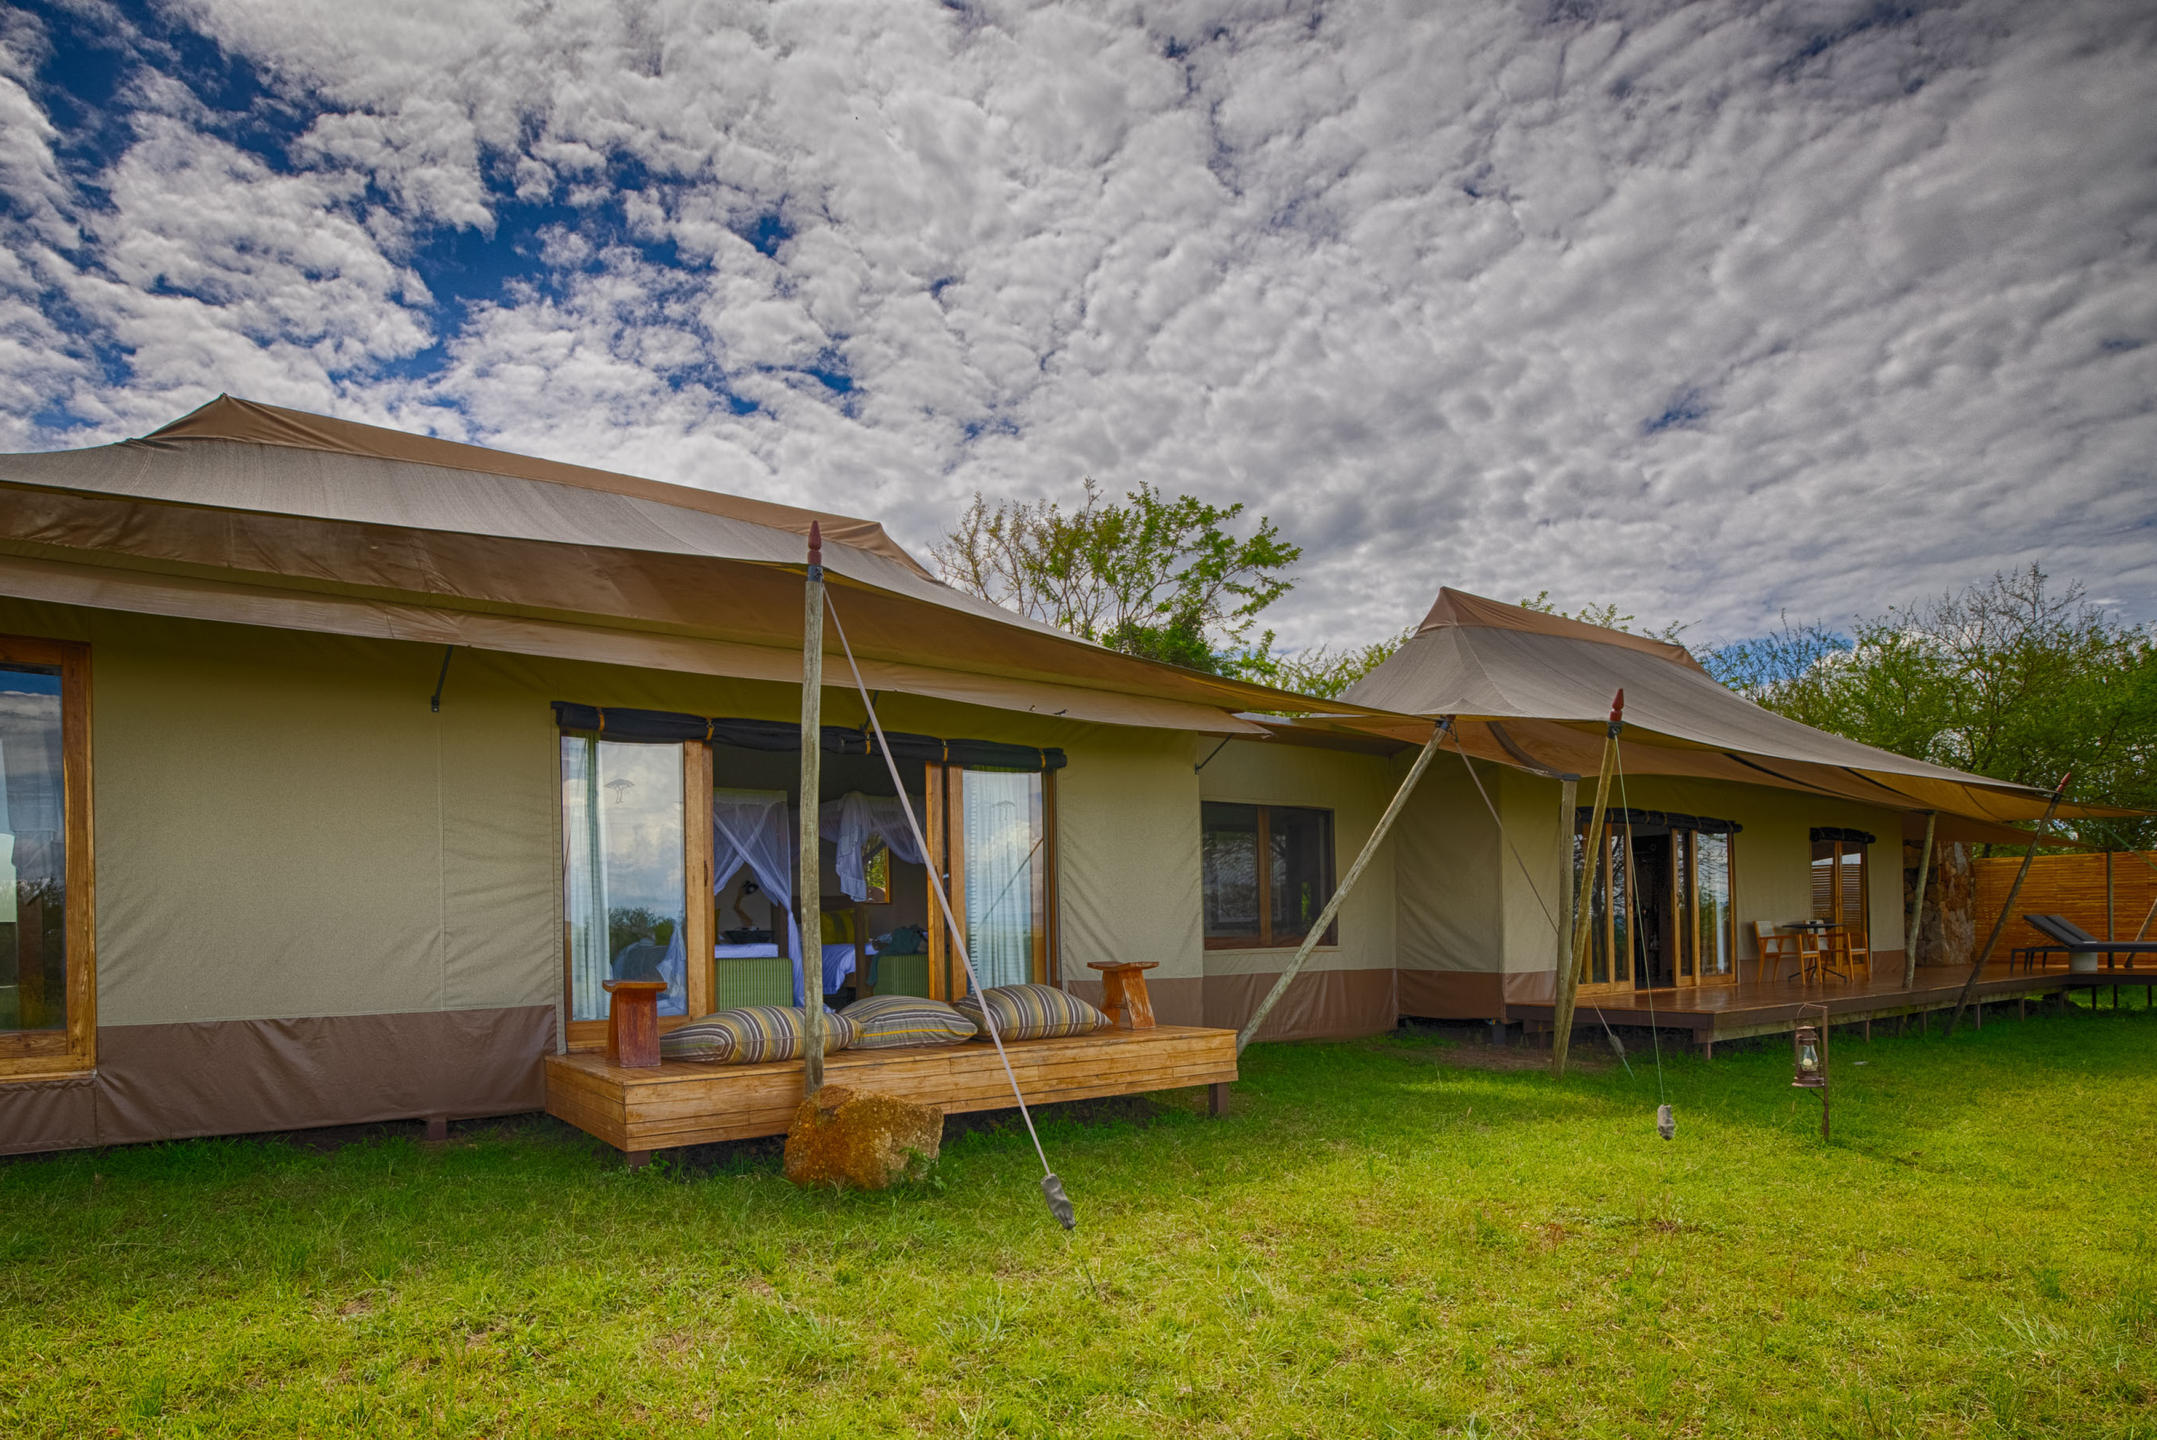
(999, 828)
(674, 969)
(752, 829)
(850, 821)
(584, 846)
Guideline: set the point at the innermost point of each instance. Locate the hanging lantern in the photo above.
(1808, 1072)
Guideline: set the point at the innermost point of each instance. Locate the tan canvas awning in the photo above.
(241, 510)
(1534, 690)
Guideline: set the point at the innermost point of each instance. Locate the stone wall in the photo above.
(1948, 934)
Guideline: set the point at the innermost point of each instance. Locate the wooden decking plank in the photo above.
(1100, 1043)
(684, 1102)
(653, 1103)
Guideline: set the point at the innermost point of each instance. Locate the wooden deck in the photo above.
(695, 1103)
(1733, 1012)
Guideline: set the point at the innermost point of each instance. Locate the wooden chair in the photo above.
(1776, 951)
(1830, 951)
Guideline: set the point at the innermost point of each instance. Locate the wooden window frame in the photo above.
(72, 1050)
(1861, 928)
(698, 916)
(1265, 939)
(945, 787)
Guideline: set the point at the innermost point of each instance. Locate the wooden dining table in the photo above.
(1821, 944)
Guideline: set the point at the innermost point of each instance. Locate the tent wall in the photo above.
(1474, 929)
(317, 901)
(1451, 896)
(1128, 871)
(1533, 886)
(1347, 988)
(320, 902)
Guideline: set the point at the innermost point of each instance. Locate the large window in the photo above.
(991, 836)
(1267, 873)
(1659, 912)
(48, 1021)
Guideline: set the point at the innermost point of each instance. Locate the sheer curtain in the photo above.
(849, 822)
(1000, 856)
(584, 874)
(753, 829)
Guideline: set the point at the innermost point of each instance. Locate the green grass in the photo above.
(1377, 1241)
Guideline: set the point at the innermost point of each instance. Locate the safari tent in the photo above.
(342, 763)
(344, 768)
(1734, 827)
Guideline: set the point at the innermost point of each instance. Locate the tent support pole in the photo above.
(1568, 826)
(2007, 908)
(1348, 883)
(1917, 906)
(1561, 1022)
(808, 896)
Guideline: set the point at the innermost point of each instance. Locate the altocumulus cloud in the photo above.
(1713, 310)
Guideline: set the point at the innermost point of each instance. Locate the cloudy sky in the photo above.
(1715, 310)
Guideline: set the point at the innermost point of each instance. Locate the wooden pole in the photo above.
(2007, 907)
(1568, 824)
(808, 883)
(1561, 1031)
(1917, 906)
(2111, 923)
(1348, 883)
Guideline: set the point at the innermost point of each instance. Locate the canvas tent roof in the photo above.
(260, 515)
(1534, 690)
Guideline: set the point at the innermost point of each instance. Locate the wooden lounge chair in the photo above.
(2071, 939)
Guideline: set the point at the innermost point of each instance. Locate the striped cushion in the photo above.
(751, 1035)
(1033, 1012)
(887, 1022)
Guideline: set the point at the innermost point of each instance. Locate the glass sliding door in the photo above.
(1657, 892)
(1002, 818)
(990, 838)
(1715, 944)
(625, 906)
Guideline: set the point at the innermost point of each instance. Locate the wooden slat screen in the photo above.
(2070, 885)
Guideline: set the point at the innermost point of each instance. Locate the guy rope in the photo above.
(1561, 1024)
(1052, 1188)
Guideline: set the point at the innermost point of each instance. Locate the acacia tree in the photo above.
(1321, 670)
(2009, 677)
(1152, 576)
(1606, 615)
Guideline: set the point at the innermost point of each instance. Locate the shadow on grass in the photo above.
(1297, 1104)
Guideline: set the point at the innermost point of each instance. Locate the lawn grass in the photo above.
(1380, 1239)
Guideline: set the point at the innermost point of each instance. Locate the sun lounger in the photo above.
(2071, 939)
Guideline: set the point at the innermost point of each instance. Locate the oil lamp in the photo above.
(1808, 1072)
(1808, 1062)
